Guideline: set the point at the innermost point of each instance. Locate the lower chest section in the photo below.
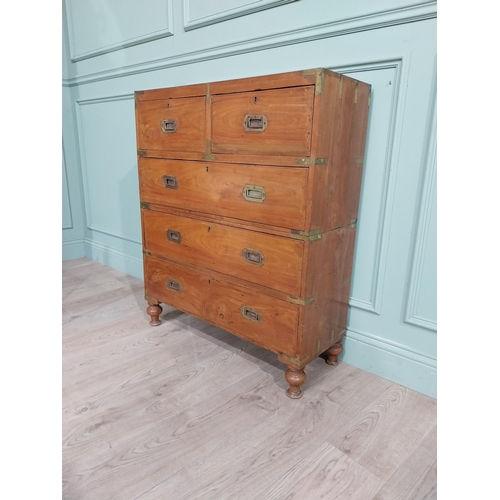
(263, 319)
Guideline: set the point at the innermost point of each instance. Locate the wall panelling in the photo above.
(391, 45)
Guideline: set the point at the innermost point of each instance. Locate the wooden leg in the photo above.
(154, 310)
(333, 353)
(295, 379)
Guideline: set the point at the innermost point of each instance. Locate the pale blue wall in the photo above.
(113, 48)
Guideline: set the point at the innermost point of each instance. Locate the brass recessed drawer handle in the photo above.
(169, 126)
(253, 256)
(170, 182)
(174, 236)
(256, 194)
(255, 123)
(250, 313)
(174, 285)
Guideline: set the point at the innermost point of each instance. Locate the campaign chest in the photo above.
(249, 194)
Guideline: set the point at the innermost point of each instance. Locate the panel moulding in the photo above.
(225, 15)
(83, 163)
(422, 227)
(308, 33)
(374, 303)
(66, 205)
(129, 42)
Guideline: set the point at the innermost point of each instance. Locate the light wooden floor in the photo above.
(186, 411)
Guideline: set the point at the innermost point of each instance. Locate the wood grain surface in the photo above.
(188, 411)
(218, 188)
(219, 247)
(223, 304)
(289, 122)
(189, 115)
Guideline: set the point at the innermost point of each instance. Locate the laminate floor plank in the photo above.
(187, 411)
(74, 324)
(323, 474)
(416, 478)
(151, 396)
(249, 464)
(385, 433)
(98, 300)
(157, 451)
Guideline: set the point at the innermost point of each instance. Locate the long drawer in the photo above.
(265, 259)
(264, 320)
(270, 195)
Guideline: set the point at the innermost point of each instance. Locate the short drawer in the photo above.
(264, 320)
(270, 195)
(268, 260)
(273, 122)
(172, 124)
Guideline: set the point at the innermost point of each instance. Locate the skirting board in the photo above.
(373, 357)
(73, 250)
(113, 258)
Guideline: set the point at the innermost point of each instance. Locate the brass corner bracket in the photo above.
(313, 235)
(311, 161)
(300, 302)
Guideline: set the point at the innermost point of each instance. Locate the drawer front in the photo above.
(172, 124)
(270, 195)
(268, 260)
(266, 321)
(273, 122)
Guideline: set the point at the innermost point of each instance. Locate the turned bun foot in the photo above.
(333, 353)
(154, 310)
(295, 379)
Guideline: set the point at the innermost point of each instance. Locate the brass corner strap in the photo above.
(208, 155)
(320, 78)
(311, 161)
(339, 335)
(300, 302)
(296, 361)
(352, 223)
(313, 235)
(145, 205)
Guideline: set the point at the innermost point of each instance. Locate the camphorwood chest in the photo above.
(249, 195)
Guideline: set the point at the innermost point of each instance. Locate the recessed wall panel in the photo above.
(98, 26)
(199, 13)
(109, 166)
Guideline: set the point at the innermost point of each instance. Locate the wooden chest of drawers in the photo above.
(249, 199)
